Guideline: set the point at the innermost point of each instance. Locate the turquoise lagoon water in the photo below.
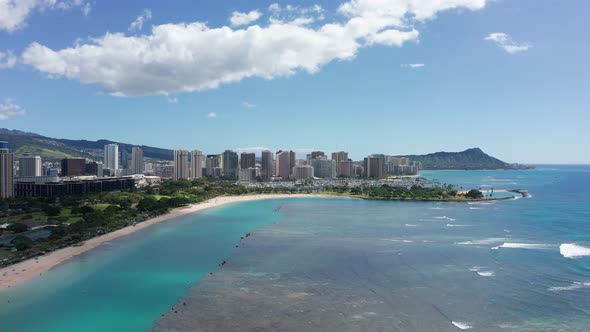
(338, 264)
(126, 284)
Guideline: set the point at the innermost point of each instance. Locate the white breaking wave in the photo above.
(538, 246)
(480, 203)
(445, 218)
(474, 208)
(410, 225)
(490, 240)
(478, 270)
(458, 225)
(570, 250)
(436, 208)
(462, 325)
(575, 285)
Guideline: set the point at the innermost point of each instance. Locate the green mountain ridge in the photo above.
(54, 149)
(470, 159)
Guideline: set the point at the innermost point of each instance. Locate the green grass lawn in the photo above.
(5, 254)
(100, 206)
(42, 217)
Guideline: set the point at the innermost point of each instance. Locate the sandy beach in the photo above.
(26, 270)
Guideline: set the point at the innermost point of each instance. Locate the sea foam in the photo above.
(462, 325)
(570, 250)
(575, 285)
(486, 273)
(511, 245)
(490, 240)
(478, 270)
(445, 218)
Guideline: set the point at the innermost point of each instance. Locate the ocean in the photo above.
(338, 264)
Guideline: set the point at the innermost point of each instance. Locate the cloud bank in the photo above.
(187, 57)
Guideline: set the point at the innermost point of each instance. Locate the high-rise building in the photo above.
(181, 166)
(302, 172)
(247, 160)
(374, 166)
(339, 157)
(111, 157)
(125, 159)
(211, 163)
(346, 169)
(73, 166)
(229, 164)
(316, 155)
(358, 170)
(94, 168)
(285, 162)
(29, 165)
(6, 172)
(197, 160)
(266, 165)
(323, 168)
(137, 165)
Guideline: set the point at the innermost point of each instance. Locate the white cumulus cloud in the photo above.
(505, 42)
(212, 115)
(187, 57)
(14, 13)
(239, 19)
(248, 104)
(137, 25)
(9, 109)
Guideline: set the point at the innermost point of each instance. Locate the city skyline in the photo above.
(479, 73)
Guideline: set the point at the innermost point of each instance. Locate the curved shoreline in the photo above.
(29, 269)
(26, 270)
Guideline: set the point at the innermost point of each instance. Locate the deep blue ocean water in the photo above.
(338, 264)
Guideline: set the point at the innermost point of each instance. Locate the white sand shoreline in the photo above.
(29, 269)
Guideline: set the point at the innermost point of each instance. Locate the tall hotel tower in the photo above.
(266, 165)
(197, 161)
(137, 165)
(111, 157)
(6, 172)
(181, 167)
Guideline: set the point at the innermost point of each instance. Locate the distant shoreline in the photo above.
(29, 269)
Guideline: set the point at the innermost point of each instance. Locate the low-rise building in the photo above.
(74, 186)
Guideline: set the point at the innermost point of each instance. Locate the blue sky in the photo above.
(510, 77)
